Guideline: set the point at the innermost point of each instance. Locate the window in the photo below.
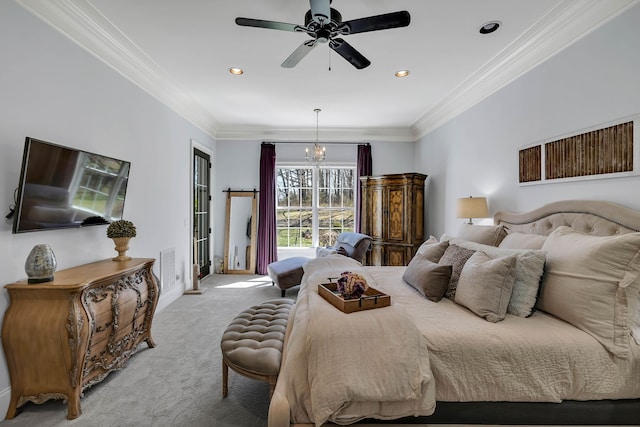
(314, 205)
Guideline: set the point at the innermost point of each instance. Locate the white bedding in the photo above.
(326, 383)
(534, 359)
(540, 358)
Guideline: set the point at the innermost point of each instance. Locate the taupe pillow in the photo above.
(529, 270)
(485, 285)
(454, 256)
(429, 278)
(490, 235)
(518, 240)
(593, 282)
(432, 240)
(434, 251)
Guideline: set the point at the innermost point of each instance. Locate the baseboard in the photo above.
(167, 297)
(5, 399)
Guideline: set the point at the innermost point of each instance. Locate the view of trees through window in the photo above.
(314, 204)
(101, 186)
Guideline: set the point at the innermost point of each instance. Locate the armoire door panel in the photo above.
(377, 214)
(396, 215)
(396, 256)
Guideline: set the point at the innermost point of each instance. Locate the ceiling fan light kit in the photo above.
(324, 24)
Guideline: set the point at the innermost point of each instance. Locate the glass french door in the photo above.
(201, 211)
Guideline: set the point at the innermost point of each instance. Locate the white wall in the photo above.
(238, 168)
(53, 90)
(593, 81)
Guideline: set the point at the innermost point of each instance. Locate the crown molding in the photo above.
(568, 22)
(81, 22)
(309, 135)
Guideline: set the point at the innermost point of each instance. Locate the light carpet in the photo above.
(179, 382)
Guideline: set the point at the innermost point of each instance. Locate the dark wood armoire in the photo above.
(393, 215)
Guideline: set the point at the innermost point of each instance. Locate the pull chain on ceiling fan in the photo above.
(324, 24)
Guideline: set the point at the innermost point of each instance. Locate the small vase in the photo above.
(122, 246)
(40, 264)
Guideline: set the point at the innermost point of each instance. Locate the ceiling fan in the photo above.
(324, 24)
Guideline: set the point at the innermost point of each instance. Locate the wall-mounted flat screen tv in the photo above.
(61, 187)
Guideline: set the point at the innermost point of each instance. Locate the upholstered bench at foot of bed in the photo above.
(287, 273)
(252, 343)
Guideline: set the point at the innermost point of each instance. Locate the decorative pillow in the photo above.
(455, 256)
(433, 252)
(529, 270)
(518, 240)
(429, 278)
(592, 282)
(432, 240)
(490, 235)
(485, 285)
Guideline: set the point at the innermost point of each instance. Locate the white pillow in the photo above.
(518, 240)
(593, 283)
(529, 270)
(485, 285)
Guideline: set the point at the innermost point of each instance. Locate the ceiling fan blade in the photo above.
(379, 22)
(349, 53)
(298, 54)
(273, 25)
(321, 11)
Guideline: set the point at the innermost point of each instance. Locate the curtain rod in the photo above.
(318, 142)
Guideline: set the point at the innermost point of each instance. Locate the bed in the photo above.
(541, 327)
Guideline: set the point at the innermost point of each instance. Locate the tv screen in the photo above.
(61, 187)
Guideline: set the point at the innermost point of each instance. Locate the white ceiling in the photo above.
(180, 51)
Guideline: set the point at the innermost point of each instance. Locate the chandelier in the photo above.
(317, 156)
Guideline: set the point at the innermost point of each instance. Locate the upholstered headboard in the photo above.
(586, 216)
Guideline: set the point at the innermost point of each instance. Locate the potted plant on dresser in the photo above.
(121, 231)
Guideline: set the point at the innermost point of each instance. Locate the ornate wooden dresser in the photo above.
(393, 215)
(63, 336)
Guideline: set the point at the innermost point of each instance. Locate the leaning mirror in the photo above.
(240, 232)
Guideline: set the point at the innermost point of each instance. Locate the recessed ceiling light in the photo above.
(490, 27)
(236, 71)
(402, 73)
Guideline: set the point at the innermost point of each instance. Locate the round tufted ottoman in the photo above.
(252, 343)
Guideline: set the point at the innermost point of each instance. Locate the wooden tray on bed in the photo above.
(372, 298)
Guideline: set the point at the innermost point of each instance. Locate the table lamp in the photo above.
(472, 207)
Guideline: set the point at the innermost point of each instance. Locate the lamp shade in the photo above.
(472, 207)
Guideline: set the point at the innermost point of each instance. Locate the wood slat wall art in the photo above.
(602, 151)
(530, 164)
